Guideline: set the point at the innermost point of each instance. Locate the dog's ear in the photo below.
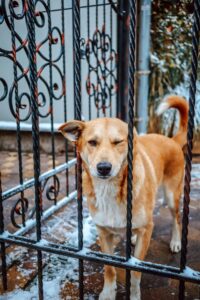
(72, 130)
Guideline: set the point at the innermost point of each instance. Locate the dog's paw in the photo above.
(175, 246)
(135, 288)
(135, 295)
(107, 296)
(108, 293)
(135, 298)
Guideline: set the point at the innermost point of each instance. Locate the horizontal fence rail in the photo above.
(187, 274)
(29, 183)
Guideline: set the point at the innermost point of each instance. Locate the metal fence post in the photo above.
(77, 99)
(17, 104)
(131, 95)
(188, 167)
(122, 59)
(35, 131)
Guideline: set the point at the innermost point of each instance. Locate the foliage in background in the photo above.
(171, 37)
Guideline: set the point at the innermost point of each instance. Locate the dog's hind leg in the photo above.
(141, 247)
(107, 243)
(173, 194)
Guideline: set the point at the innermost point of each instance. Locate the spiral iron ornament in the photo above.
(99, 55)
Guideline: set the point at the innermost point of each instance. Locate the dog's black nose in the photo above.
(104, 168)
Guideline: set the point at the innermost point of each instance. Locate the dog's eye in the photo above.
(117, 142)
(92, 143)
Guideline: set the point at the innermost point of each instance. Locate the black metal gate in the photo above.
(98, 50)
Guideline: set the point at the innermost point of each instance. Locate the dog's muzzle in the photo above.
(104, 169)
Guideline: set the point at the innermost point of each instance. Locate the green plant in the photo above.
(171, 37)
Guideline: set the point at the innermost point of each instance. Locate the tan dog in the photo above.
(102, 144)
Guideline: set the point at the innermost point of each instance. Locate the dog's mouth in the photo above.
(103, 176)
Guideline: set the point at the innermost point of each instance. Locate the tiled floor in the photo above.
(61, 228)
(10, 178)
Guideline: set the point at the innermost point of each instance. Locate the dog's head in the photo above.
(102, 144)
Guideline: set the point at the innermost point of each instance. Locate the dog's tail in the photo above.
(181, 104)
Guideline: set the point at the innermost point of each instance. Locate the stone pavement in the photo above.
(62, 273)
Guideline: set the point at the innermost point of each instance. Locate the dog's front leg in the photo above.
(107, 245)
(141, 247)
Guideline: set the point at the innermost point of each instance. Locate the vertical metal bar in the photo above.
(77, 99)
(80, 224)
(77, 61)
(35, 131)
(17, 104)
(64, 91)
(111, 58)
(3, 248)
(188, 166)
(104, 58)
(97, 71)
(88, 41)
(131, 94)
(51, 95)
(122, 66)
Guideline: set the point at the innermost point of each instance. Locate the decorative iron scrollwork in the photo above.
(4, 94)
(101, 81)
(19, 209)
(53, 188)
(101, 78)
(54, 37)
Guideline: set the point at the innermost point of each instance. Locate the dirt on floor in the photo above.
(60, 274)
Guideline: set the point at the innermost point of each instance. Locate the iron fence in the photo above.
(99, 51)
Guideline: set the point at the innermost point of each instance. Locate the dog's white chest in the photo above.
(108, 213)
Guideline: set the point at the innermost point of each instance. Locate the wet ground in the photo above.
(61, 274)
